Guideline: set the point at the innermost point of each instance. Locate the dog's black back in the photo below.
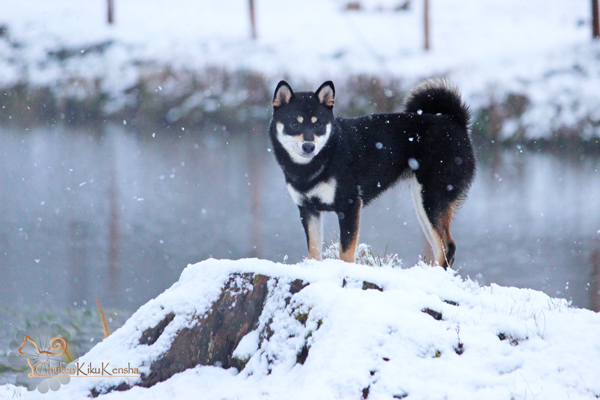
(362, 157)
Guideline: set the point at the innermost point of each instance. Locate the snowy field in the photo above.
(541, 49)
(476, 342)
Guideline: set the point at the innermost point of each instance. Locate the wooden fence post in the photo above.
(252, 20)
(426, 23)
(111, 6)
(595, 20)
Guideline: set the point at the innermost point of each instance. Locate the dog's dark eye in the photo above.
(319, 124)
(294, 124)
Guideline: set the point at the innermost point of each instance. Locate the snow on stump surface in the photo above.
(251, 329)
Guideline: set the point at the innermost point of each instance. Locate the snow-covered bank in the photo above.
(335, 330)
(532, 64)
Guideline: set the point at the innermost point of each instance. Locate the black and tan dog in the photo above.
(341, 164)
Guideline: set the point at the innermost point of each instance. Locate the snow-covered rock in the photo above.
(333, 330)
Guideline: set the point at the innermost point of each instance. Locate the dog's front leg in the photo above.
(313, 227)
(349, 223)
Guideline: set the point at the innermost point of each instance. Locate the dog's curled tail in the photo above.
(438, 96)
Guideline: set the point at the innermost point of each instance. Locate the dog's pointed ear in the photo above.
(326, 94)
(283, 94)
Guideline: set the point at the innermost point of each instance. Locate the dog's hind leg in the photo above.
(416, 191)
(313, 227)
(434, 217)
(349, 220)
(444, 232)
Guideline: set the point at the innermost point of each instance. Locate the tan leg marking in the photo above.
(315, 237)
(437, 232)
(349, 254)
(439, 250)
(446, 240)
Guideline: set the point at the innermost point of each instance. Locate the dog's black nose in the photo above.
(308, 147)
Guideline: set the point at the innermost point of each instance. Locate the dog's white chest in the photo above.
(296, 195)
(324, 192)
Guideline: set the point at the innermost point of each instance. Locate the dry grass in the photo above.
(364, 256)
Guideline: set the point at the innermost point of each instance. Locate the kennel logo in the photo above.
(45, 360)
(42, 357)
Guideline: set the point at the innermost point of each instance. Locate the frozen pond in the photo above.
(120, 214)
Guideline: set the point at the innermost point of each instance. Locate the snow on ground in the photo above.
(491, 342)
(539, 48)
